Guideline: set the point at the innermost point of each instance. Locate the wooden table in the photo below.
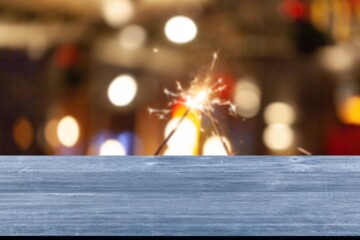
(255, 195)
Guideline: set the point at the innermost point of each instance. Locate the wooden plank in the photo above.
(179, 195)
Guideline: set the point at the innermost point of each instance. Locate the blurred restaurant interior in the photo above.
(116, 77)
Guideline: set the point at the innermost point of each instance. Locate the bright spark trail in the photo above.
(200, 98)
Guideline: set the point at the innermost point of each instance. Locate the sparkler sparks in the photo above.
(200, 98)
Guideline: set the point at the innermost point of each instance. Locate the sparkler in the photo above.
(199, 98)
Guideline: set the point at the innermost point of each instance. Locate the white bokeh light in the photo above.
(180, 29)
(112, 147)
(214, 146)
(247, 98)
(337, 58)
(68, 131)
(132, 37)
(122, 90)
(185, 135)
(117, 12)
(279, 112)
(278, 136)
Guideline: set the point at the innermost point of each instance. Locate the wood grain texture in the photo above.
(179, 195)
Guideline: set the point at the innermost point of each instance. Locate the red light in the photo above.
(229, 83)
(66, 56)
(354, 5)
(294, 9)
(343, 140)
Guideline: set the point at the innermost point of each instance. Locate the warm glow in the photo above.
(117, 12)
(37, 46)
(351, 110)
(112, 147)
(319, 14)
(122, 90)
(179, 151)
(50, 133)
(68, 131)
(132, 37)
(247, 98)
(279, 112)
(185, 136)
(278, 136)
(180, 30)
(197, 101)
(337, 58)
(23, 133)
(214, 146)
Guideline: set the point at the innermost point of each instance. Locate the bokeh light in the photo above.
(97, 141)
(180, 29)
(23, 133)
(214, 146)
(337, 58)
(68, 131)
(122, 90)
(278, 136)
(37, 46)
(66, 56)
(50, 133)
(117, 12)
(350, 112)
(179, 151)
(279, 112)
(294, 9)
(132, 37)
(247, 98)
(185, 136)
(130, 141)
(112, 147)
(124, 68)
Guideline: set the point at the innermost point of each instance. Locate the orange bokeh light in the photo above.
(350, 112)
(179, 110)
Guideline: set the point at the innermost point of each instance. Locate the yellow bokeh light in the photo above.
(279, 112)
(180, 29)
(179, 151)
(185, 136)
(122, 90)
(112, 147)
(319, 14)
(23, 133)
(51, 133)
(350, 112)
(68, 131)
(214, 146)
(278, 136)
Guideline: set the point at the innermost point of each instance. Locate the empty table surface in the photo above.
(250, 195)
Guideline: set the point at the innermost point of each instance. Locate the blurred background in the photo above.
(77, 76)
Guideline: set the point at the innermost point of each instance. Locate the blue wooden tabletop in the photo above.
(252, 195)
